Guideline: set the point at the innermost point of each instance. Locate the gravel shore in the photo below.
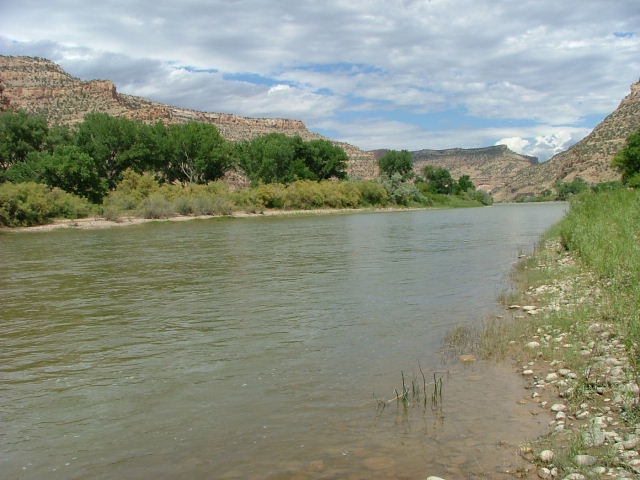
(578, 371)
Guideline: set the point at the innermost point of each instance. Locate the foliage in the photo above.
(603, 229)
(439, 180)
(114, 144)
(567, 189)
(93, 159)
(278, 158)
(27, 204)
(627, 160)
(20, 135)
(157, 170)
(478, 196)
(465, 184)
(403, 193)
(372, 193)
(198, 153)
(396, 162)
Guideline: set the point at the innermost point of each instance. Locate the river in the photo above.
(259, 348)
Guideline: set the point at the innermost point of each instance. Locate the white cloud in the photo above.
(544, 146)
(545, 65)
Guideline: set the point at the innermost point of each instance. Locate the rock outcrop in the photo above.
(490, 168)
(41, 87)
(589, 159)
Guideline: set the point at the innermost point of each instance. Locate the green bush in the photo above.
(28, 204)
(372, 193)
(304, 194)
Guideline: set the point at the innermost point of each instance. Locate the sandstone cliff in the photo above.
(41, 87)
(590, 158)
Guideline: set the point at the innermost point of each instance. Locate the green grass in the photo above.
(589, 265)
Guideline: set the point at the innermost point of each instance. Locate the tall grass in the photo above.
(603, 230)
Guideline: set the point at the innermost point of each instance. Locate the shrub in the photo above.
(372, 193)
(28, 204)
(341, 194)
(303, 194)
(270, 195)
(155, 206)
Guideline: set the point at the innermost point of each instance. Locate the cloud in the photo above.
(547, 145)
(435, 74)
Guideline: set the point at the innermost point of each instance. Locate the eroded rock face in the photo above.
(41, 87)
(590, 158)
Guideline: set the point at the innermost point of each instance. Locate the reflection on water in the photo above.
(256, 348)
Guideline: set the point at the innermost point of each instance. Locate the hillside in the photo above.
(590, 158)
(41, 87)
(490, 168)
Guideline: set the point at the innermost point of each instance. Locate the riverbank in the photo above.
(93, 223)
(571, 332)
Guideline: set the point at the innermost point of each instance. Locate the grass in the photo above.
(585, 272)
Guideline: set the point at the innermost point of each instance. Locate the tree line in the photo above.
(115, 167)
(90, 160)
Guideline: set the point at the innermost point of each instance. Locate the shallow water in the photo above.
(258, 348)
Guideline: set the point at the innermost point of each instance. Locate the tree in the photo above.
(627, 160)
(20, 134)
(67, 167)
(197, 153)
(324, 159)
(395, 161)
(72, 170)
(274, 158)
(465, 184)
(439, 180)
(568, 189)
(114, 143)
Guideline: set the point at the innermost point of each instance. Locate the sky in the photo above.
(535, 75)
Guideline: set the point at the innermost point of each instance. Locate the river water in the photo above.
(259, 348)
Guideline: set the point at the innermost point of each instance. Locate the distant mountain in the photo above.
(508, 175)
(41, 87)
(590, 158)
(490, 168)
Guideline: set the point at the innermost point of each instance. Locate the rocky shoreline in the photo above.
(579, 374)
(576, 368)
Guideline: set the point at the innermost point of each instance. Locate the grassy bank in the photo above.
(573, 331)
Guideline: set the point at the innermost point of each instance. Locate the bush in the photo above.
(28, 204)
(156, 206)
(303, 194)
(372, 193)
(270, 195)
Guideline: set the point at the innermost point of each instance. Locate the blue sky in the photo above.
(536, 75)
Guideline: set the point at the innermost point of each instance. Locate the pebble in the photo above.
(546, 455)
(532, 345)
(544, 473)
(585, 460)
(558, 407)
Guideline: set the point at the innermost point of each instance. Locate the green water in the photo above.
(255, 348)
